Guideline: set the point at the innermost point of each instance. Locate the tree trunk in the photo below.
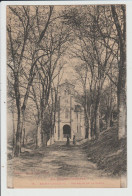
(36, 136)
(17, 150)
(122, 94)
(18, 137)
(23, 142)
(39, 140)
(121, 89)
(23, 127)
(121, 117)
(52, 135)
(42, 138)
(89, 132)
(97, 122)
(86, 123)
(14, 142)
(92, 128)
(45, 139)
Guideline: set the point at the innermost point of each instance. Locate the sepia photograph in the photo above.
(66, 96)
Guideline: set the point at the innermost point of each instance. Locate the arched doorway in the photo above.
(66, 131)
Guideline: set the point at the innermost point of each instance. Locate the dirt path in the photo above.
(55, 161)
(69, 161)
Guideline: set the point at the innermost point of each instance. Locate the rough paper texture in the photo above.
(66, 95)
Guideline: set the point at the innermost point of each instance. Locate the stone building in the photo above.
(70, 114)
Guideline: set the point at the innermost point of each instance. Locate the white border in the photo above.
(64, 192)
(64, 2)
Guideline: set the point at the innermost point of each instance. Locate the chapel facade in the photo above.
(70, 114)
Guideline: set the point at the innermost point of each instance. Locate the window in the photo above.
(66, 113)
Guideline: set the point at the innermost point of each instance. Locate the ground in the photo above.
(104, 158)
(57, 160)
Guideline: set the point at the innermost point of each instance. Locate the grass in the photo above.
(109, 153)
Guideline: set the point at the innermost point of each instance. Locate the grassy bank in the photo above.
(108, 153)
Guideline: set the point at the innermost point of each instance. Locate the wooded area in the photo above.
(40, 41)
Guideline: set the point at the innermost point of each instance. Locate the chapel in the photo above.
(70, 114)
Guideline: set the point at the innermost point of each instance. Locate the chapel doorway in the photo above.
(66, 131)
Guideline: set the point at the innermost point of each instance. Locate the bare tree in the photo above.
(19, 28)
(119, 16)
(91, 49)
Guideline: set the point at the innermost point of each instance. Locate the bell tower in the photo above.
(68, 118)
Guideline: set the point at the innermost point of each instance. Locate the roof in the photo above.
(67, 83)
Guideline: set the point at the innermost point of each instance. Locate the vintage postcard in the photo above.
(66, 96)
